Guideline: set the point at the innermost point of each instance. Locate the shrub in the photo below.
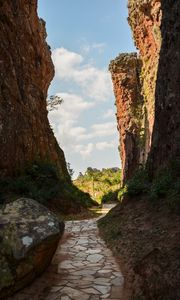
(139, 184)
(42, 182)
(122, 192)
(111, 196)
(173, 196)
(160, 186)
(72, 192)
(165, 185)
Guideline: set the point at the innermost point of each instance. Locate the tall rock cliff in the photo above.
(131, 117)
(26, 70)
(166, 134)
(147, 224)
(145, 20)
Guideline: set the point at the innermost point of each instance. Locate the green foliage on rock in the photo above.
(138, 184)
(164, 186)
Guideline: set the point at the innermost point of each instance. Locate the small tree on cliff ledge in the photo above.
(53, 102)
(70, 170)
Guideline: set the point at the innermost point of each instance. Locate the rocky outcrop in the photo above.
(131, 115)
(29, 235)
(166, 133)
(26, 70)
(145, 21)
(147, 231)
(135, 144)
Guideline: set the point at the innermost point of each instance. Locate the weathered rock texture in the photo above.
(131, 117)
(29, 235)
(166, 134)
(145, 20)
(26, 70)
(147, 233)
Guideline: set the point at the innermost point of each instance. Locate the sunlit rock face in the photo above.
(29, 235)
(26, 70)
(145, 20)
(155, 26)
(131, 117)
(134, 78)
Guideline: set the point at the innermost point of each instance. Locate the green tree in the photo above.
(70, 170)
(53, 102)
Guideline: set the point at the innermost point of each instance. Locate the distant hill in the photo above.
(103, 185)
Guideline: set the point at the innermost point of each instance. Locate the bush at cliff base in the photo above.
(41, 182)
(164, 186)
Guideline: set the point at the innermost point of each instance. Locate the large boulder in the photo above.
(29, 235)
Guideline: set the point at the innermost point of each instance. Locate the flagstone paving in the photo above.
(83, 269)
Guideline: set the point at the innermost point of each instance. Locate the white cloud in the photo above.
(71, 136)
(109, 114)
(87, 48)
(71, 108)
(70, 66)
(84, 150)
(64, 119)
(104, 129)
(105, 145)
(75, 135)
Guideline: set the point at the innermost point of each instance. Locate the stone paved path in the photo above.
(83, 269)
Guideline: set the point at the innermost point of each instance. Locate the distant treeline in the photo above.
(103, 185)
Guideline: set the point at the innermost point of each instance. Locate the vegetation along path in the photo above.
(83, 268)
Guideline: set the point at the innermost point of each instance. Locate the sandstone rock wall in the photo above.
(145, 20)
(26, 70)
(166, 134)
(131, 117)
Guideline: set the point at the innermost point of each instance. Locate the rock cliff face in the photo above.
(145, 20)
(26, 70)
(166, 134)
(131, 119)
(147, 225)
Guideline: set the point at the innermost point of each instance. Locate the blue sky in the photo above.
(84, 36)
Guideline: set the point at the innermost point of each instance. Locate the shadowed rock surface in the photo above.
(144, 229)
(29, 235)
(166, 134)
(26, 71)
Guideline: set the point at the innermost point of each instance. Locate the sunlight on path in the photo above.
(83, 268)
